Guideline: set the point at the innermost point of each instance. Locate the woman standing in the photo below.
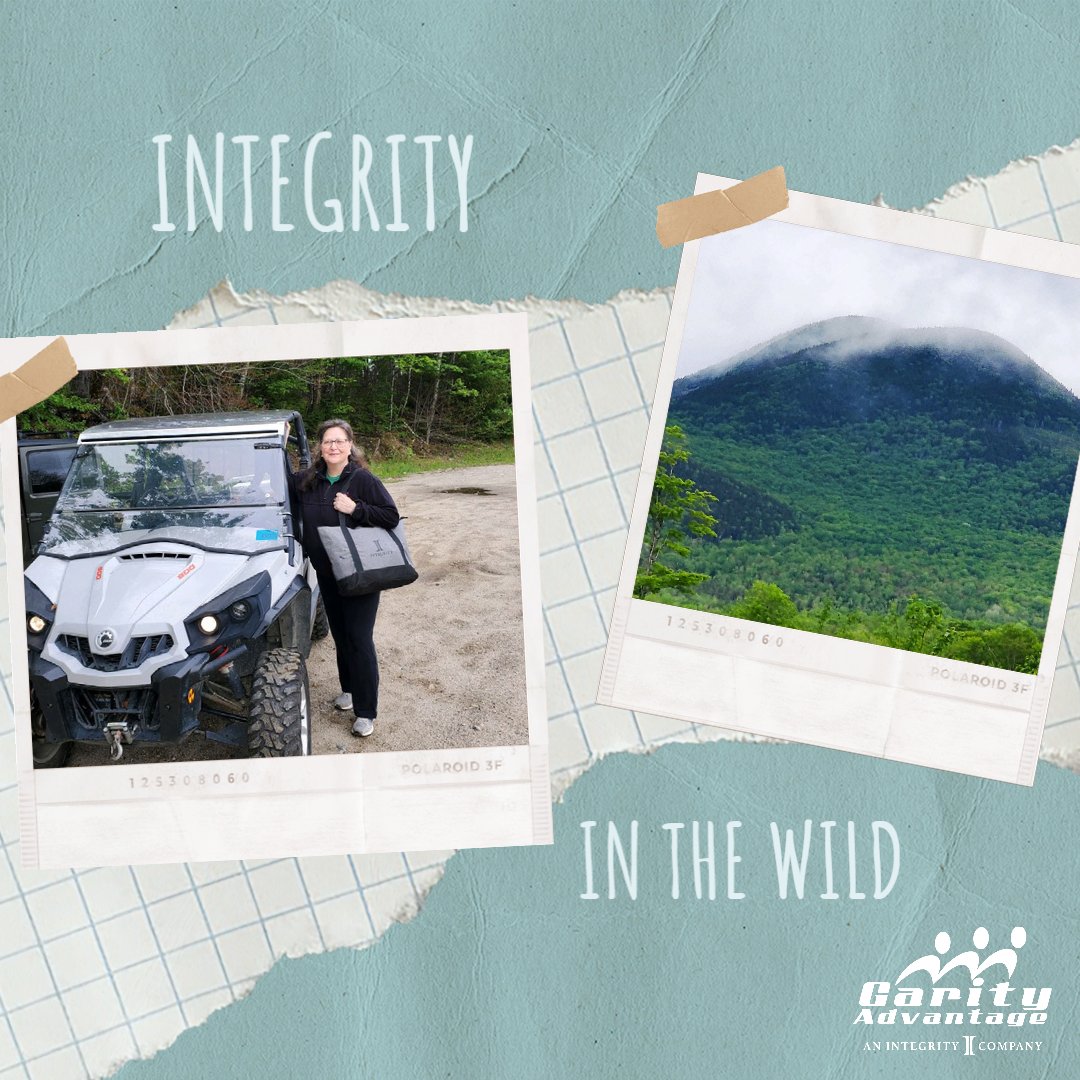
(338, 482)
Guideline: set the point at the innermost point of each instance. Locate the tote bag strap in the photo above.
(349, 540)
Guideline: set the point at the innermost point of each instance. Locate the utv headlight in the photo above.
(40, 613)
(240, 611)
(235, 614)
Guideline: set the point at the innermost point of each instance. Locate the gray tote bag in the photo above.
(366, 559)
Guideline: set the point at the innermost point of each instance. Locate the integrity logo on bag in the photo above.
(975, 998)
(378, 551)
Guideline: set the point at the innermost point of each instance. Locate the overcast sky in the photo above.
(755, 283)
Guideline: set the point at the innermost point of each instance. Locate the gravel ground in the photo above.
(451, 656)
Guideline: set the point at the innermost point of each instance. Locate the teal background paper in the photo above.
(506, 973)
(584, 116)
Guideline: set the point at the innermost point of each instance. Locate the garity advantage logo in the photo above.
(982, 993)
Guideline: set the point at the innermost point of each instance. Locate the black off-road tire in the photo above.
(321, 625)
(279, 710)
(47, 755)
(50, 755)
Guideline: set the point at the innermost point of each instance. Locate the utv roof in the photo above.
(223, 423)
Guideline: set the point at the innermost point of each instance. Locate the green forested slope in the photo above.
(854, 478)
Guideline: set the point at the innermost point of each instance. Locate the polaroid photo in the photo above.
(218, 648)
(856, 524)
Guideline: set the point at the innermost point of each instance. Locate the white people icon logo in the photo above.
(982, 1001)
(933, 966)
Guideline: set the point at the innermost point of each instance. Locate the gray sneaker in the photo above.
(362, 726)
(343, 702)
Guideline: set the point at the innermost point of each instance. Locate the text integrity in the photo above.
(352, 184)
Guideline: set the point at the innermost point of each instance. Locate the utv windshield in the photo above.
(218, 494)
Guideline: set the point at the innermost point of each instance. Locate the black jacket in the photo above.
(315, 506)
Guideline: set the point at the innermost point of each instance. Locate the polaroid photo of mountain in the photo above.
(277, 593)
(856, 525)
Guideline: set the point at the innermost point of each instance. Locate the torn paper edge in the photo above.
(970, 184)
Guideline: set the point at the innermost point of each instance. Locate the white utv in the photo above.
(170, 594)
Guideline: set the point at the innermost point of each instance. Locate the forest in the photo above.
(453, 405)
(742, 553)
(854, 517)
(913, 624)
(912, 497)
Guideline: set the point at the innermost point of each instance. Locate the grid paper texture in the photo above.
(103, 966)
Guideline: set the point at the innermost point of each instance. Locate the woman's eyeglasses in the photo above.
(335, 442)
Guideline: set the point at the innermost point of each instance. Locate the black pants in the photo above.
(352, 626)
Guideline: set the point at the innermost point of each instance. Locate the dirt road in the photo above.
(450, 646)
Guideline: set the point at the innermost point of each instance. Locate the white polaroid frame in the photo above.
(320, 805)
(826, 691)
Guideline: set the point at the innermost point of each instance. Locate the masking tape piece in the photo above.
(718, 211)
(41, 375)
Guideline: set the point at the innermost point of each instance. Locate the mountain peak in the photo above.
(836, 331)
(855, 370)
(853, 338)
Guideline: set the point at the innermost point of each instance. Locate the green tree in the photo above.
(916, 625)
(419, 400)
(767, 603)
(679, 510)
(1013, 646)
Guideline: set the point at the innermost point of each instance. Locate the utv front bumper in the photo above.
(165, 711)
